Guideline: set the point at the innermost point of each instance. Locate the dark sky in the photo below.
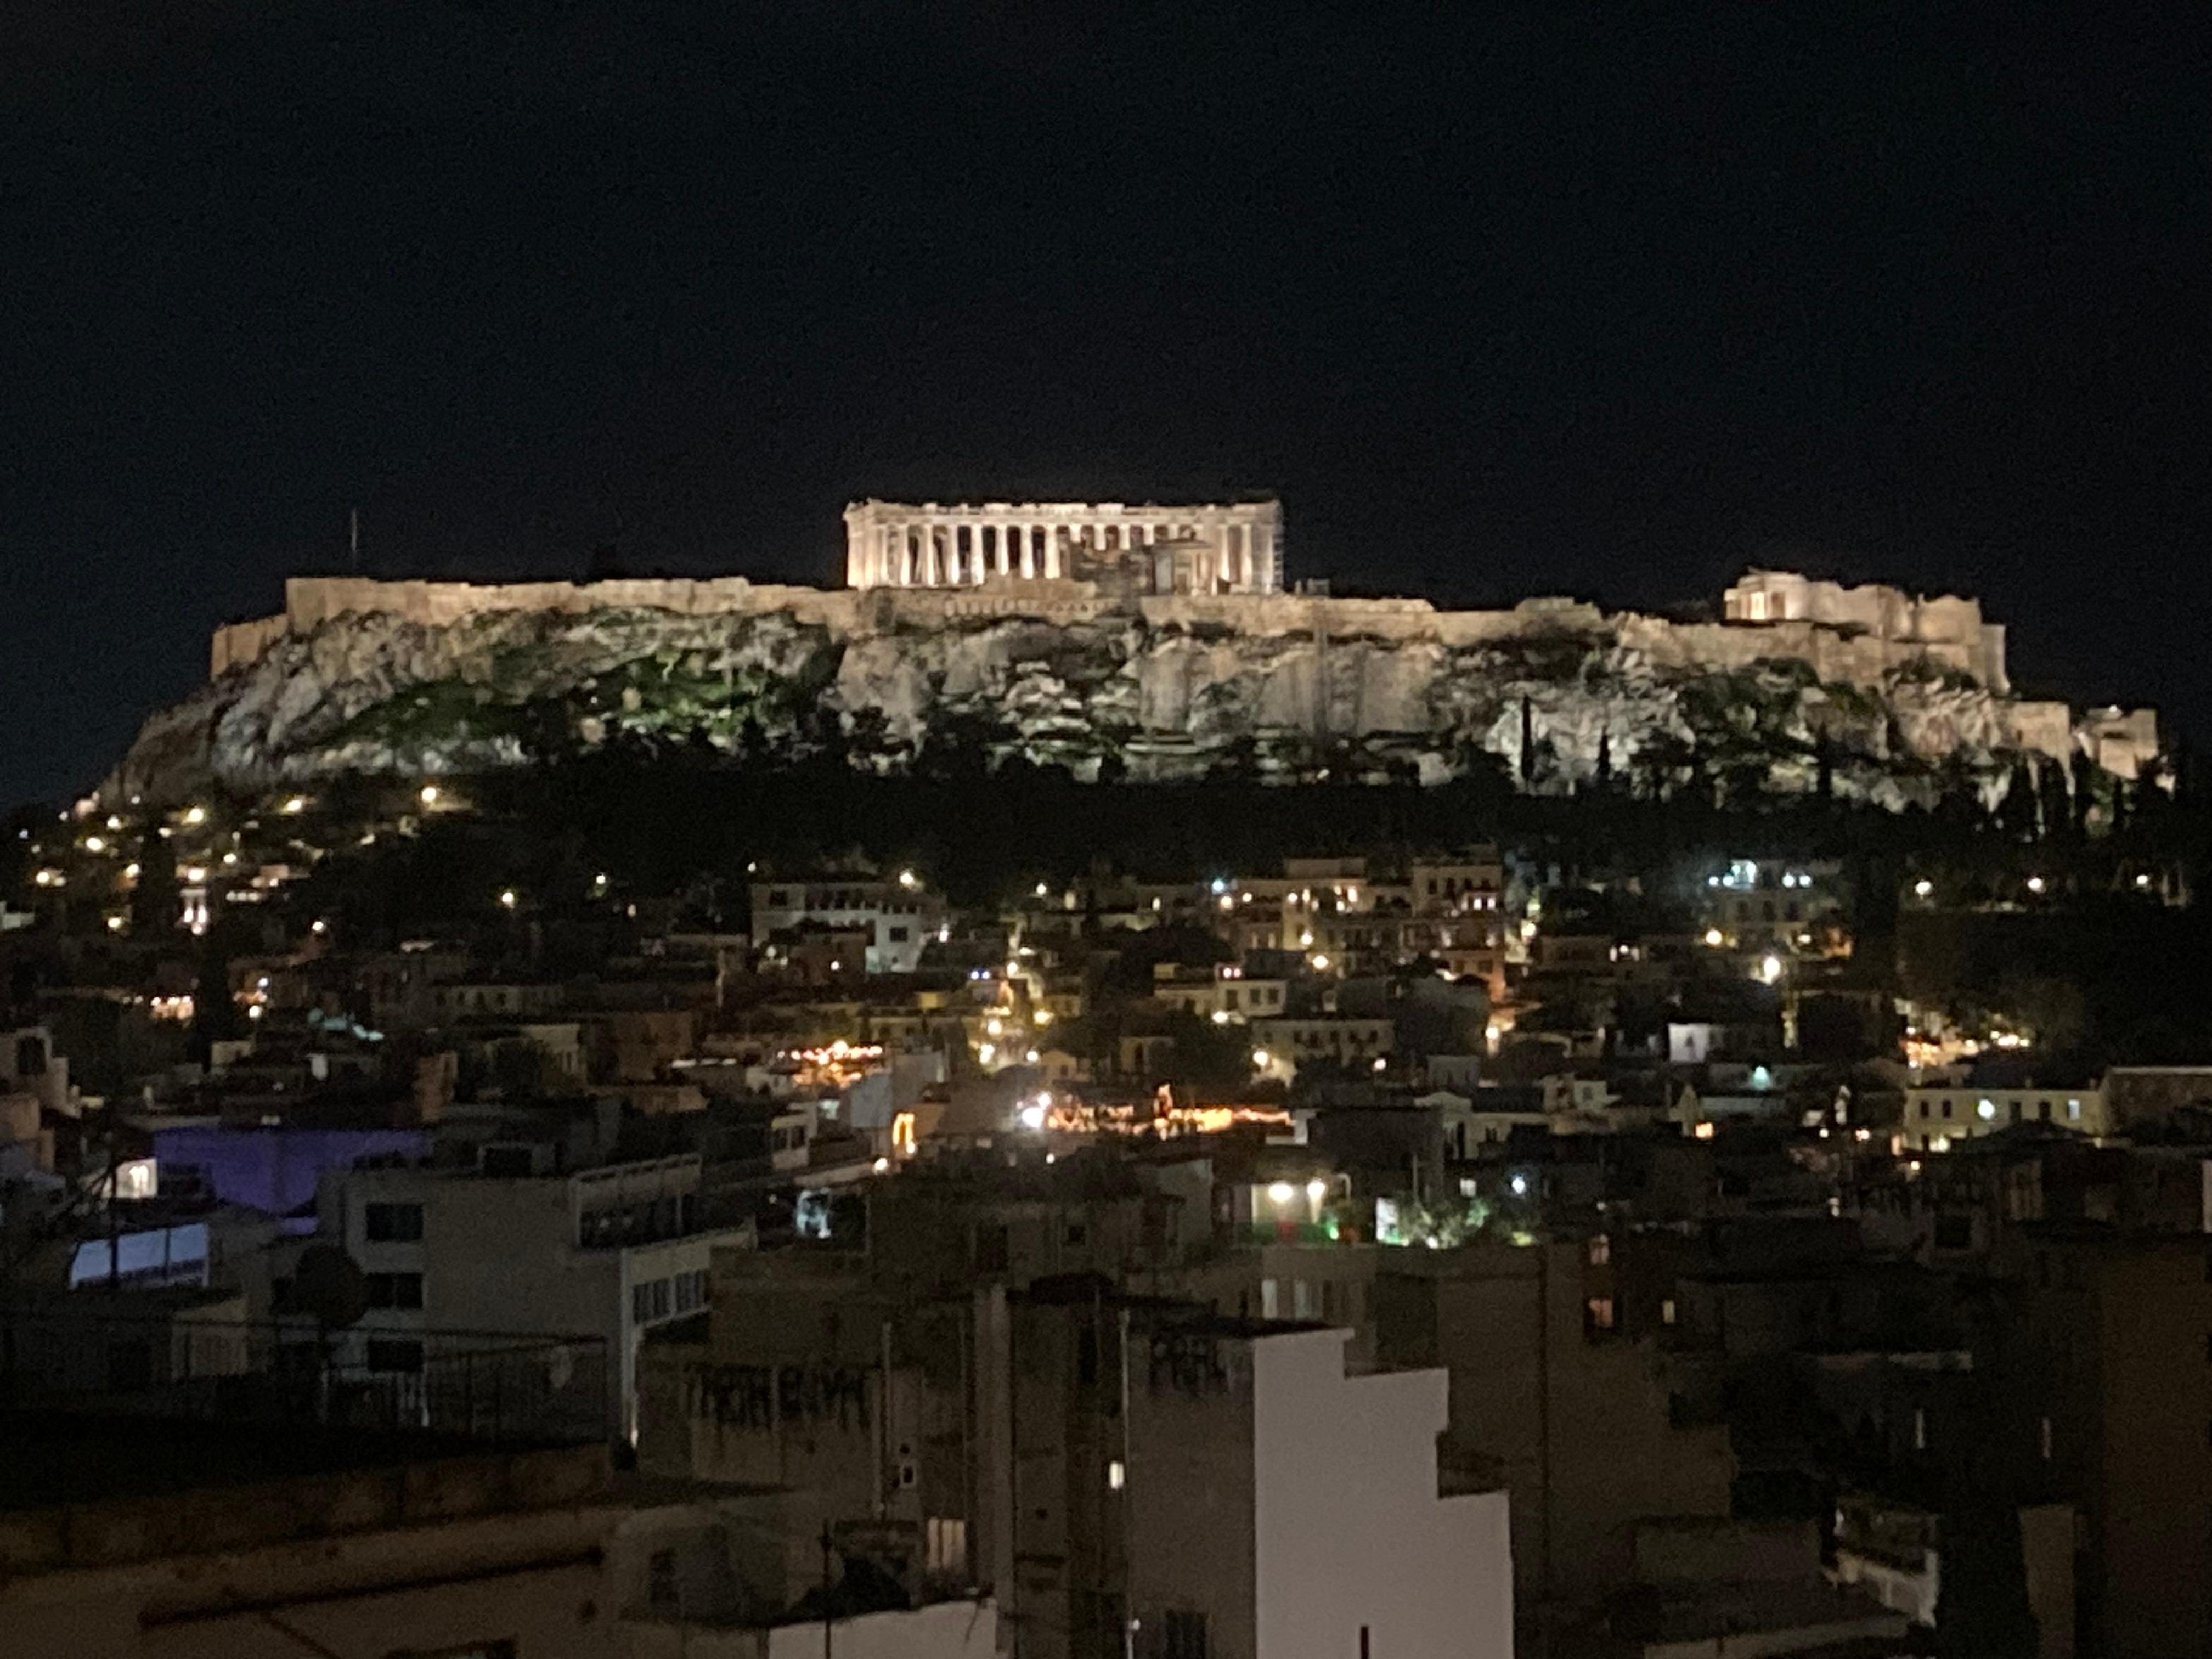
(1606, 300)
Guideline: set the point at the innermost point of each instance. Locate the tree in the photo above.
(155, 904)
(215, 1012)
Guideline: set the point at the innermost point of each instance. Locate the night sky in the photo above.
(1607, 301)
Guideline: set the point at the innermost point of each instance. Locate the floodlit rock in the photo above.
(409, 679)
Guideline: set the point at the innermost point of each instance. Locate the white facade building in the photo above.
(1938, 1118)
(1307, 1522)
(900, 920)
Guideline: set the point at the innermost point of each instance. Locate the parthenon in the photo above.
(1216, 548)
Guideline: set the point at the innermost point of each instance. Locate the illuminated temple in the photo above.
(1234, 548)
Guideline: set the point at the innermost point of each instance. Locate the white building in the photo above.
(1308, 1520)
(610, 1252)
(898, 917)
(1937, 1118)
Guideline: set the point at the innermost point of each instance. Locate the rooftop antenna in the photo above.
(353, 537)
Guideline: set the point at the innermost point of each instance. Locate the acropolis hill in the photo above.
(1138, 642)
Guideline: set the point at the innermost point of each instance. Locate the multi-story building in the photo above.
(511, 1247)
(1468, 884)
(2102, 1377)
(1786, 904)
(477, 1524)
(1223, 995)
(1938, 1116)
(1574, 1414)
(1122, 1476)
(2142, 1095)
(899, 918)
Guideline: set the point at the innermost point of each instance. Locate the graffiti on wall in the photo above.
(764, 1396)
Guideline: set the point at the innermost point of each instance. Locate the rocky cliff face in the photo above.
(1560, 698)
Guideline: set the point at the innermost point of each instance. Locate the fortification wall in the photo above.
(2044, 728)
(311, 601)
(237, 644)
(1855, 658)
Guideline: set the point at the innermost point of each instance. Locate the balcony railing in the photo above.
(488, 1386)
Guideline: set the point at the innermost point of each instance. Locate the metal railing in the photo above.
(488, 1386)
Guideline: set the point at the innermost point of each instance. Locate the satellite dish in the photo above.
(330, 1285)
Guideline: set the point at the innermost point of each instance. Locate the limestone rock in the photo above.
(1279, 687)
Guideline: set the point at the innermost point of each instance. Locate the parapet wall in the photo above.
(311, 601)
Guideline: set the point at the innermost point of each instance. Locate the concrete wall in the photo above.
(359, 1564)
(2149, 1571)
(1580, 1425)
(1191, 1514)
(1351, 1532)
